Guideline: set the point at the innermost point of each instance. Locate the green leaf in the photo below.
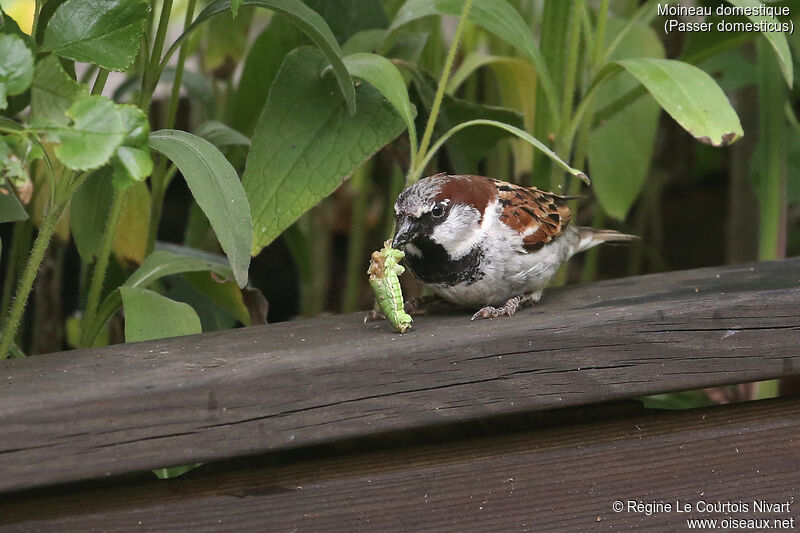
(16, 67)
(132, 162)
(10, 26)
(516, 81)
(217, 190)
(262, 63)
(89, 209)
(174, 471)
(497, 17)
(226, 296)
(235, 5)
(621, 148)
(98, 129)
(148, 316)
(303, 17)
(225, 41)
(511, 129)
(53, 91)
(220, 134)
(348, 17)
(677, 400)
(384, 76)
(306, 144)
(131, 165)
(777, 40)
(10, 208)
(130, 239)
(104, 32)
(365, 41)
(470, 147)
(689, 95)
(160, 263)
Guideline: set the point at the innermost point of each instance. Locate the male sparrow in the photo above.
(482, 242)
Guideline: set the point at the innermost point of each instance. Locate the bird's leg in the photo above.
(421, 305)
(510, 307)
(412, 306)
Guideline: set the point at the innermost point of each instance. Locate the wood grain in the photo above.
(563, 479)
(87, 414)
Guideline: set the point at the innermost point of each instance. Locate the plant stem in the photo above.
(99, 274)
(355, 261)
(415, 171)
(172, 111)
(563, 143)
(100, 81)
(159, 180)
(772, 174)
(151, 70)
(36, 11)
(589, 272)
(46, 231)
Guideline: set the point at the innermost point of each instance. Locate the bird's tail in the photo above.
(590, 237)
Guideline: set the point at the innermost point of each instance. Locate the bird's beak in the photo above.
(404, 233)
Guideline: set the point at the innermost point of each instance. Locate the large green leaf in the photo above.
(777, 40)
(104, 32)
(524, 135)
(148, 316)
(53, 91)
(260, 67)
(303, 17)
(217, 190)
(497, 17)
(98, 129)
(621, 148)
(89, 209)
(469, 147)
(384, 76)
(348, 17)
(220, 134)
(160, 263)
(16, 67)
(688, 94)
(516, 82)
(306, 144)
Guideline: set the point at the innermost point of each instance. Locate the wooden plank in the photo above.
(563, 479)
(118, 409)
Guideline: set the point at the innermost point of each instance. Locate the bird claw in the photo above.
(413, 306)
(373, 315)
(508, 308)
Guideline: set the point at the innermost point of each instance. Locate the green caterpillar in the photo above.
(384, 269)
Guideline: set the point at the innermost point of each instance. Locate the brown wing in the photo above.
(539, 216)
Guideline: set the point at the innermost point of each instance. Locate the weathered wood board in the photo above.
(88, 414)
(562, 479)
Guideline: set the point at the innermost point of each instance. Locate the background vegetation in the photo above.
(126, 125)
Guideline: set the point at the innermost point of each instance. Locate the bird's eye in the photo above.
(437, 211)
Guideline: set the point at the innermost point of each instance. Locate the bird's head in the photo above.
(445, 210)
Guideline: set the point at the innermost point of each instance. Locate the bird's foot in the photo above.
(412, 306)
(509, 308)
(421, 305)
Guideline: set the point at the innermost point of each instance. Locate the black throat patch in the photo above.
(435, 266)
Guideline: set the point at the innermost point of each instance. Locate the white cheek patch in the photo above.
(413, 250)
(460, 232)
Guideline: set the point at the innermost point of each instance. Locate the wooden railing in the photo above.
(522, 423)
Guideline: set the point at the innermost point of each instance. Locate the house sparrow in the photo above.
(486, 243)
